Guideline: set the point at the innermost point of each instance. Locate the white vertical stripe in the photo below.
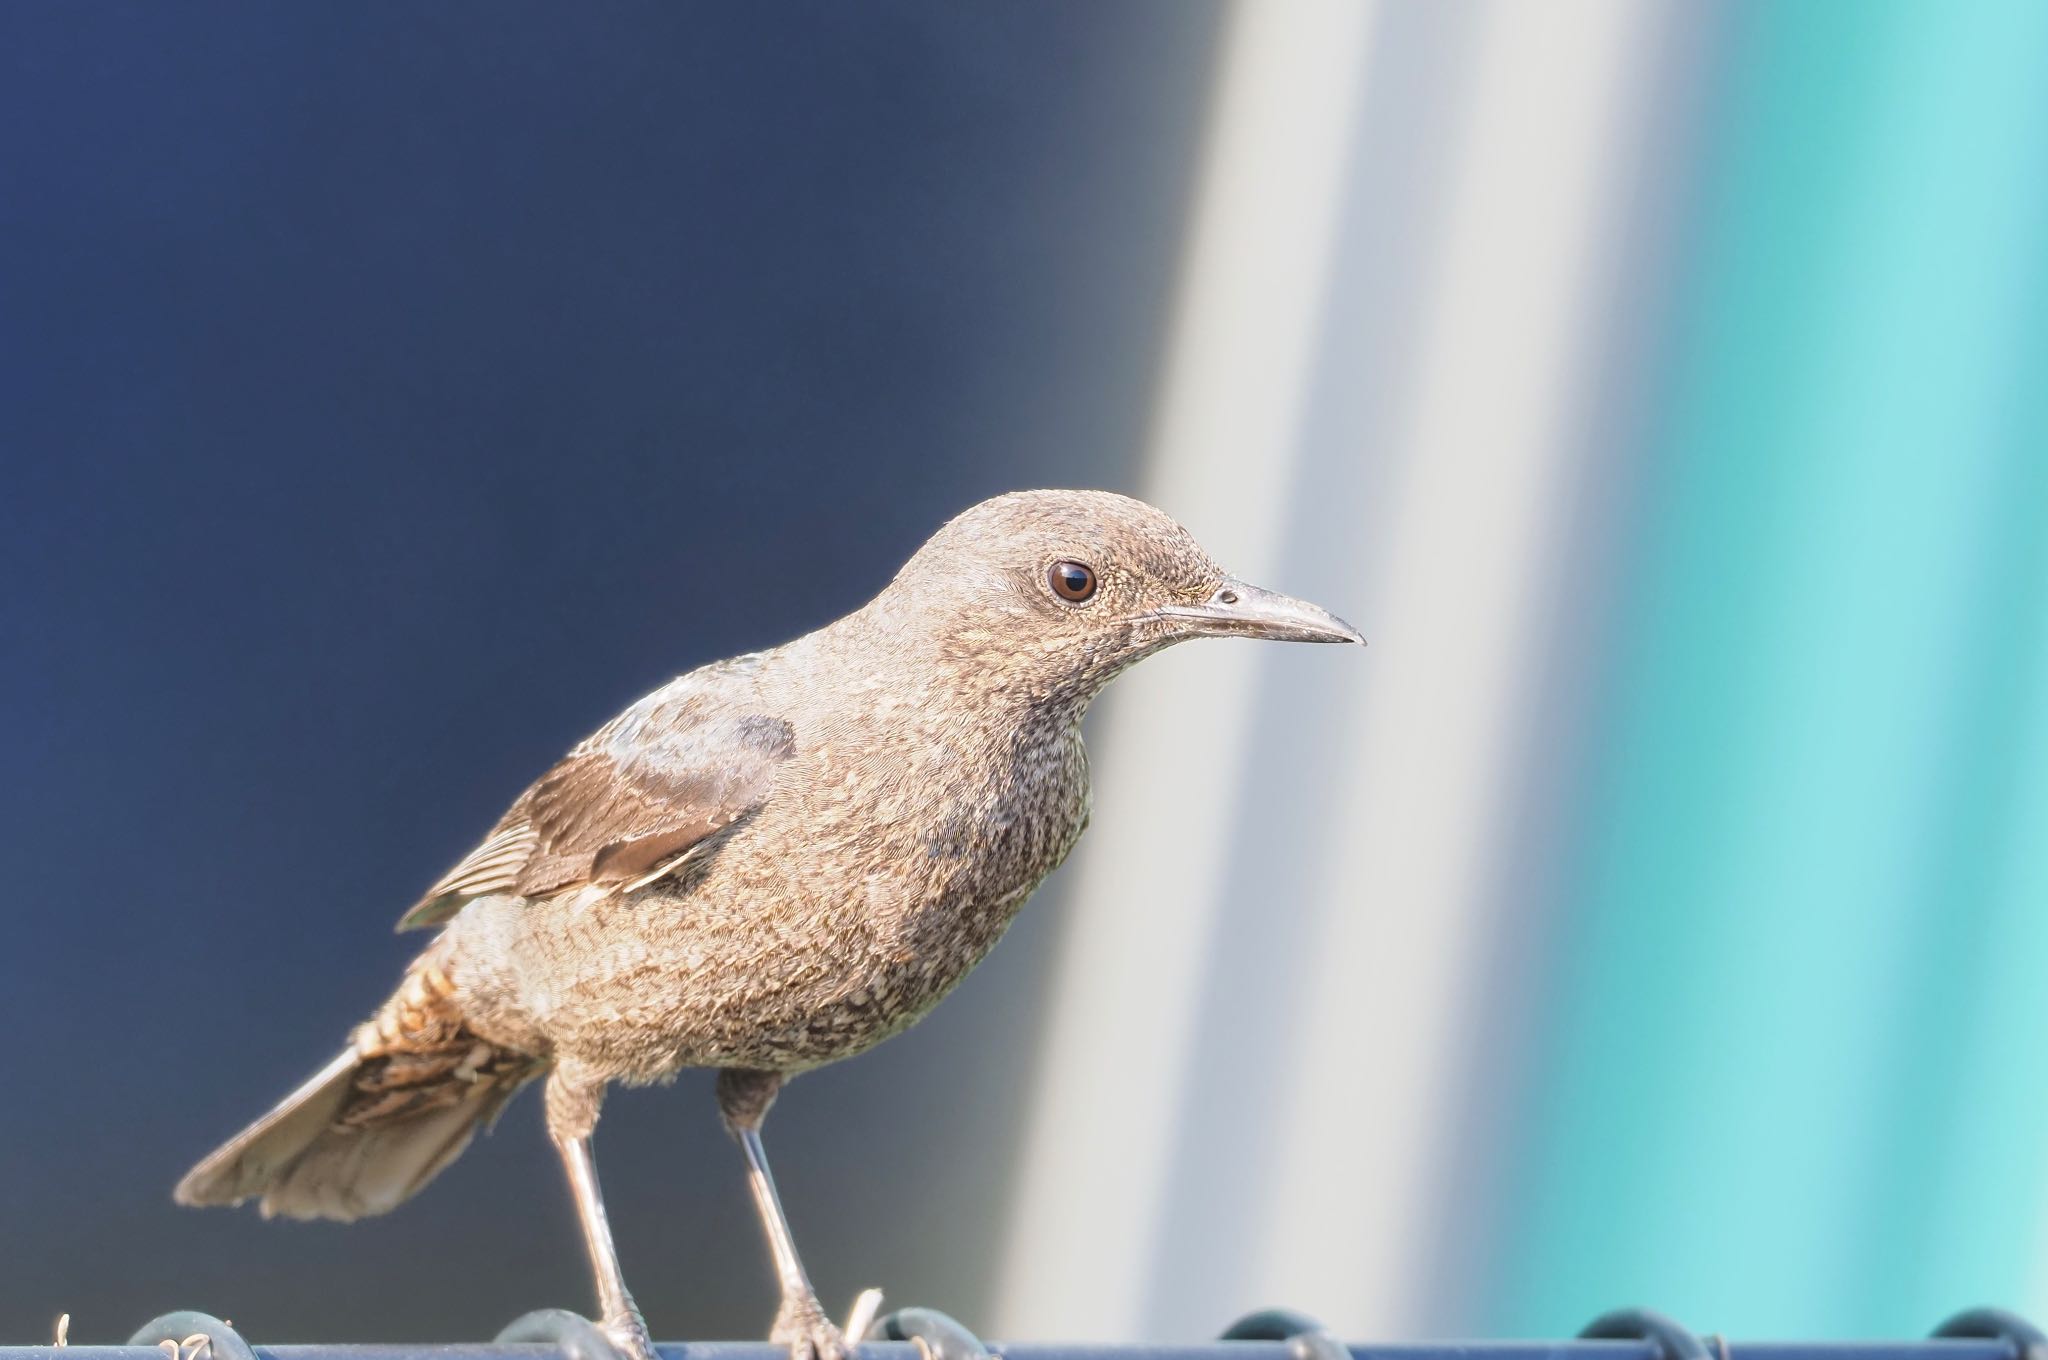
(1404, 898)
(1079, 1252)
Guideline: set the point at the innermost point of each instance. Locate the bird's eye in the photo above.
(1071, 581)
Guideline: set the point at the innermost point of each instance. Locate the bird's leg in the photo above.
(743, 1100)
(572, 1116)
(800, 1321)
(619, 1318)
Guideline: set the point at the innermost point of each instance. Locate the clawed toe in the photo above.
(801, 1325)
(827, 1343)
(821, 1342)
(629, 1338)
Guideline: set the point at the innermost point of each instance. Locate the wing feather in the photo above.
(660, 780)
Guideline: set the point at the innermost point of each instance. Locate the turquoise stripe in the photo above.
(1796, 951)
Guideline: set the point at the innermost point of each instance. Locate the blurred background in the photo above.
(1654, 914)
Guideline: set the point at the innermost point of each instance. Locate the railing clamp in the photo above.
(1995, 1324)
(938, 1336)
(577, 1336)
(1672, 1341)
(1306, 1338)
(189, 1335)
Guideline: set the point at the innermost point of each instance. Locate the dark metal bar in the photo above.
(1273, 1334)
(1960, 1349)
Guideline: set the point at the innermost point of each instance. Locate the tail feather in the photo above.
(247, 1164)
(352, 1172)
(368, 1130)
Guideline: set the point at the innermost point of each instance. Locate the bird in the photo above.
(770, 863)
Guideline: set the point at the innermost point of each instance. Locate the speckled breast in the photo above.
(924, 915)
(823, 927)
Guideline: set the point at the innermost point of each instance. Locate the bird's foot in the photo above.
(627, 1331)
(801, 1325)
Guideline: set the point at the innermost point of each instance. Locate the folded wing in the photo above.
(663, 777)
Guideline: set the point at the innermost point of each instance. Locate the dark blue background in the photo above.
(388, 394)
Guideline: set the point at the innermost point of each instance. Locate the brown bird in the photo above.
(768, 864)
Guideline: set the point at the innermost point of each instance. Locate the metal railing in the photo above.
(922, 1334)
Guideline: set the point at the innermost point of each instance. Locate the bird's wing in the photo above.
(667, 774)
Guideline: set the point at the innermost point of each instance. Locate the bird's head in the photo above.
(1056, 592)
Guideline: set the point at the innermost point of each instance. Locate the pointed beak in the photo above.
(1238, 609)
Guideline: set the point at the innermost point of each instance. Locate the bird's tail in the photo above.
(365, 1132)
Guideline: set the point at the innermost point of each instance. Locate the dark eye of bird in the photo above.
(1071, 581)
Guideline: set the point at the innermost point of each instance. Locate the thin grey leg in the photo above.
(620, 1319)
(789, 1267)
(743, 1100)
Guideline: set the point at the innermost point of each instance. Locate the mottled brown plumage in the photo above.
(770, 863)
